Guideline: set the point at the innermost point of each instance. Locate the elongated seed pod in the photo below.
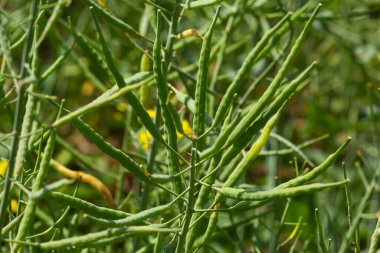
(187, 101)
(238, 131)
(85, 178)
(26, 127)
(184, 99)
(133, 219)
(202, 78)
(320, 232)
(89, 239)
(317, 170)
(108, 241)
(144, 92)
(52, 19)
(211, 227)
(8, 228)
(100, 66)
(107, 97)
(159, 244)
(17, 121)
(85, 206)
(252, 153)
(116, 21)
(275, 84)
(110, 150)
(375, 238)
(198, 127)
(53, 66)
(243, 71)
(203, 196)
(279, 102)
(295, 16)
(189, 33)
(249, 132)
(37, 184)
(174, 166)
(30, 107)
(50, 187)
(300, 180)
(204, 191)
(132, 99)
(276, 193)
(242, 166)
(117, 154)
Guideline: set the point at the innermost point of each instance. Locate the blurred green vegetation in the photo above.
(341, 100)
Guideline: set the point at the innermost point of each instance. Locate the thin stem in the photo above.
(17, 124)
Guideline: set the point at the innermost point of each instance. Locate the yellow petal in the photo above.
(151, 113)
(14, 206)
(186, 127)
(144, 138)
(3, 166)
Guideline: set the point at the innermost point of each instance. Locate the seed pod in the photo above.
(162, 92)
(144, 92)
(85, 206)
(90, 239)
(133, 219)
(244, 194)
(275, 84)
(116, 21)
(31, 206)
(132, 99)
(243, 71)
(189, 33)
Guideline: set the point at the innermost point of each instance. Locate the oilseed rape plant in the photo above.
(187, 126)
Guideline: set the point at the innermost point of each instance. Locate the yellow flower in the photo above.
(14, 206)
(151, 113)
(144, 138)
(186, 129)
(3, 166)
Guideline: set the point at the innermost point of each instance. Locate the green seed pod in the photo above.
(189, 33)
(31, 206)
(133, 219)
(144, 92)
(145, 63)
(84, 206)
(244, 194)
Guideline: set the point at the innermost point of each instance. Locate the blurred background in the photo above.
(341, 100)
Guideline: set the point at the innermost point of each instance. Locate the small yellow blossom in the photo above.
(186, 129)
(144, 138)
(151, 113)
(3, 167)
(14, 206)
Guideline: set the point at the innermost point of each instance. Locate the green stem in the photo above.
(17, 124)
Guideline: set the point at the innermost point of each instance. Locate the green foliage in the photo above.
(189, 126)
